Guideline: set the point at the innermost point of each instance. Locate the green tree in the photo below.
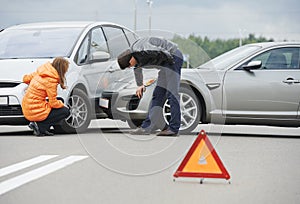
(198, 50)
(218, 46)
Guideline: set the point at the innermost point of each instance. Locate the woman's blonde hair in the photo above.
(61, 65)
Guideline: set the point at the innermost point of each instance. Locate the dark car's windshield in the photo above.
(37, 42)
(231, 57)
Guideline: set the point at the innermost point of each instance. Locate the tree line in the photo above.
(198, 50)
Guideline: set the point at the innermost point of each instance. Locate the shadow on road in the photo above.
(116, 130)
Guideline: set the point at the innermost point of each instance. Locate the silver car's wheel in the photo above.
(79, 112)
(190, 110)
(79, 118)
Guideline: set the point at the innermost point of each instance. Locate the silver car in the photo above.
(253, 84)
(90, 47)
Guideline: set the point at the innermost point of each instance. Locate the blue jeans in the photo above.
(168, 83)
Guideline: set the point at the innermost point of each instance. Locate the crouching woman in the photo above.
(40, 104)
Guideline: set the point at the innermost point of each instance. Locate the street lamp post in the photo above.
(241, 32)
(135, 15)
(150, 2)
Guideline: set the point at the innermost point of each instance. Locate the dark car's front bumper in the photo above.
(115, 102)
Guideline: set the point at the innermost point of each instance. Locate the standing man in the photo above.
(154, 52)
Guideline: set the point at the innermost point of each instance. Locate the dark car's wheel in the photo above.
(190, 110)
(80, 116)
(132, 123)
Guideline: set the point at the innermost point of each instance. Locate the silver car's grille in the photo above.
(8, 84)
(11, 110)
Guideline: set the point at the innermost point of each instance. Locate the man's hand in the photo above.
(140, 90)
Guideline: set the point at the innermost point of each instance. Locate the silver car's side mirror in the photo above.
(252, 65)
(100, 56)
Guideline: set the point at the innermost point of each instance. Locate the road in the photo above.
(108, 165)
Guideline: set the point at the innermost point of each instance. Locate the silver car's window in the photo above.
(132, 37)
(82, 54)
(98, 42)
(37, 43)
(280, 58)
(230, 58)
(93, 42)
(117, 42)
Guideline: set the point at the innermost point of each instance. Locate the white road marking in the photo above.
(22, 165)
(18, 181)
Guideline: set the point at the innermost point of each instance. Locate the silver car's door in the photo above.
(271, 92)
(93, 68)
(97, 56)
(118, 40)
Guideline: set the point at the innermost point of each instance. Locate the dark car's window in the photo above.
(280, 58)
(37, 42)
(231, 57)
(117, 42)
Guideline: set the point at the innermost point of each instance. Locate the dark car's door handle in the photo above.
(291, 81)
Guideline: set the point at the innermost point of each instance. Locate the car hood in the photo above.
(15, 69)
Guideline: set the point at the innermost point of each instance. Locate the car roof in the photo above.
(62, 24)
(272, 44)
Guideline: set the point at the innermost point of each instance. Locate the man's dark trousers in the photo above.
(167, 87)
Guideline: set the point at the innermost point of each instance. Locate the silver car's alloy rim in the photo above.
(79, 111)
(188, 108)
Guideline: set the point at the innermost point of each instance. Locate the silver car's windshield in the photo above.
(230, 58)
(37, 42)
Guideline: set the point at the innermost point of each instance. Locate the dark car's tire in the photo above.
(191, 110)
(80, 116)
(133, 124)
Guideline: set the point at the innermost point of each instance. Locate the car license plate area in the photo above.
(104, 102)
(3, 100)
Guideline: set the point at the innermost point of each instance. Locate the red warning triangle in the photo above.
(202, 161)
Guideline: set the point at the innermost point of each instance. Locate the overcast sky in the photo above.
(277, 19)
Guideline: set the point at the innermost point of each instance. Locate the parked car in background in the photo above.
(90, 47)
(253, 84)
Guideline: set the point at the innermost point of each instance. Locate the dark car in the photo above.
(253, 84)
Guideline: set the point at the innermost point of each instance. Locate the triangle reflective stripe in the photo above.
(202, 161)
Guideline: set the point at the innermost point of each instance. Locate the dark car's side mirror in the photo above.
(252, 65)
(100, 56)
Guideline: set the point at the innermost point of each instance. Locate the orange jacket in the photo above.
(42, 83)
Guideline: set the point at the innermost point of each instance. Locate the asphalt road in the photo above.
(108, 165)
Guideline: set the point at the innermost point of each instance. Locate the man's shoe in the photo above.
(167, 133)
(35, 128)
(40, 135)
(140, 131)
